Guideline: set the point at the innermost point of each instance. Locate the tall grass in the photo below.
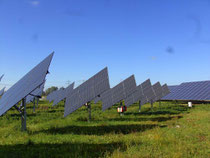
(167, 131)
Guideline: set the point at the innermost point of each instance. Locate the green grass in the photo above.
(167, 131)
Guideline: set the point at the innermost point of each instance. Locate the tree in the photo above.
(50, 90)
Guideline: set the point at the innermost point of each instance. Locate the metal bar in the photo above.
(151, 105)
(64, 101)
(18, 109)
(139, 105)
(121, 106)
(89, 111)
(159, 104)
(23, 117)
(34, 108)
(37, 102)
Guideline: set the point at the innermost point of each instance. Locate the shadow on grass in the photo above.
(19, 115)
(175, 110)
(54, 111)
(83, 150)
(98, 130)
(158, 119)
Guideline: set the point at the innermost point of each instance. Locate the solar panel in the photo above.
(149, 92)
(129, 85)
(107, 99)
(1, 77)
(165, 90)
(87, 91)
(172, 88)
(97, 99)
(136, 96)
(158, 91)
(69, 89)
(146, 84)
(191, 91)
(51, 96)
(143, 93)
(58, 96)
(62, 93)
(2, 91)
(121, 91)
(25, 86)
(36, 93)
(118, 93)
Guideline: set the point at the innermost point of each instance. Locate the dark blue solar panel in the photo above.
(172, 88)
(158, 91)
(165, 90)
(121, 91)
(135, 97)
(87, 91)
(198, 91)
(144, 93)
(148, 90)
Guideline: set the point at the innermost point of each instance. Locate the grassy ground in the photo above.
(167, 131)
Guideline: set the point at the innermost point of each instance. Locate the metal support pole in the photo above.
(139, 105)
(34, 108)
(23, 115)
(176, 105)
(89, 111)
(151, 105)
(121, 113)
(121, 103)
(37, 102)
(159, 104)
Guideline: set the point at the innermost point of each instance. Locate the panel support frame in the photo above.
(139, 105)
(151, 102)
(23, 115)
(89, 111)
(160, 103)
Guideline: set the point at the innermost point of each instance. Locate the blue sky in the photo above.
(165, 40)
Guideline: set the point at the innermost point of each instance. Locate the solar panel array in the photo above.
(191, 91)
(96, 88)
(118, 93)
(25, 85)
(61, 94)
(158, 91)
(146, 93)
(165, 90)
(87, 91)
